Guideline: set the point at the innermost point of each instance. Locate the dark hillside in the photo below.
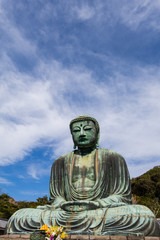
(146, 190)
(8, 205)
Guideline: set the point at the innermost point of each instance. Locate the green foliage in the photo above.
(157, 192)
(43, 200)
(144, 187)
(8, 205)
(146, 190)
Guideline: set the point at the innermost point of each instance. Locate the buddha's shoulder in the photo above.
(109, 152)
(63, 158)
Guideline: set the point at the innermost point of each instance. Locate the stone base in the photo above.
(79, 237)
(15, 237)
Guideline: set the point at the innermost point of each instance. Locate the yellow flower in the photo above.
(44, 227)
(63, 235)
(54, 231)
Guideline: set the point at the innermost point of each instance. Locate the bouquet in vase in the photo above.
(53, 233)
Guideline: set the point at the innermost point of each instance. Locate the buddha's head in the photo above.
(85, 131)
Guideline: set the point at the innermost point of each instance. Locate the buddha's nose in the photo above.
(82, 133)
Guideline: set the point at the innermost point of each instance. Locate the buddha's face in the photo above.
(84, 133)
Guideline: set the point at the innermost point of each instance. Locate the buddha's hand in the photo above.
(78, 206)
(109, 204)
(117, 204)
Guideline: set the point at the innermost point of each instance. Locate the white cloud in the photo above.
(13, 39)
(36, 111)
(36, 171)
(5, 181)
(137, 13)
(133, 126)
(33, 193)
(83, 12)
(134, 14)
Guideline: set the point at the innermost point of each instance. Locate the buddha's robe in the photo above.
(105, 182)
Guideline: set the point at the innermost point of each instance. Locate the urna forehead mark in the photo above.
(82, 123)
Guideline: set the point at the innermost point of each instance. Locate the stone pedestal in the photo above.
(79, 237)
(15, 237)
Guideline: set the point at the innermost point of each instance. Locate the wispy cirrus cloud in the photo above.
(34, 193)
(36, 171)
(5, 181)
(141, 14)
(83, 11)
(37, 111)
(13, 38)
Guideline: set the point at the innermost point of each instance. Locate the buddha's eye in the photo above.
(76, 130)
(87, 128)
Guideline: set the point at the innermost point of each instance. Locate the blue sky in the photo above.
(61, 59)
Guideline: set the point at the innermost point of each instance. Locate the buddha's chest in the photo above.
(83, 176)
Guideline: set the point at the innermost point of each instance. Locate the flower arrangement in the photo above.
(53, 233)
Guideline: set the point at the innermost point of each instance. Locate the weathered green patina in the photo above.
(90, 192)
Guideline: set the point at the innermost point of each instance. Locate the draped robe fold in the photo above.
(111, 189)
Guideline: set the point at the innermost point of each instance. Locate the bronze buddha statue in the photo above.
(90, 192)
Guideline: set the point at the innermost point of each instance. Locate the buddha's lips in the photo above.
(82, 139)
